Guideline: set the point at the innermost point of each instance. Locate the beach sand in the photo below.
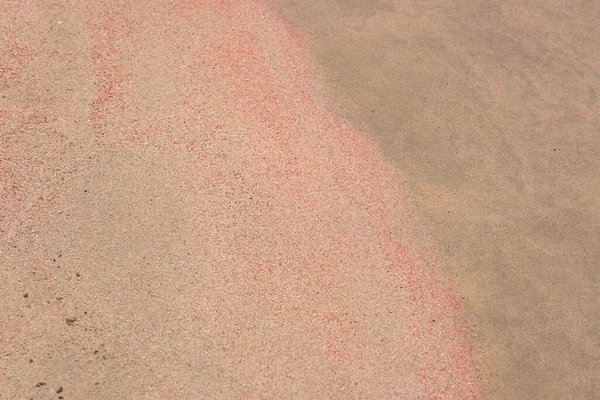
(490, 110)
(255, 199)
(184, 217)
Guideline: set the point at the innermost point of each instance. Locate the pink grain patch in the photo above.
(308, 205)
(313, 169)
(106, 27)
(13, 53)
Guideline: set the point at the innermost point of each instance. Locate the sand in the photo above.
(254, 199)
(490, 110)
(184, 217)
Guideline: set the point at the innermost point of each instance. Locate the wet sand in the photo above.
(183, 215)
(490, 111)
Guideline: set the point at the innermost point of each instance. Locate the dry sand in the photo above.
(490, 110)
(182, 217)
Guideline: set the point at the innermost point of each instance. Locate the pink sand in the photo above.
(295, 222)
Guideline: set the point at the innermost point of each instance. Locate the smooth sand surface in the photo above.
(183, 217)
(490, 110)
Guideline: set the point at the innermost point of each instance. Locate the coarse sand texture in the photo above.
(183, 217)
